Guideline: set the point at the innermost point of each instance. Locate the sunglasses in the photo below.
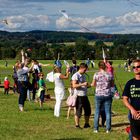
(134, 67)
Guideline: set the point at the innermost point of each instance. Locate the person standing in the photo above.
(131, 99)
(42, 87)
(74, 68)
(103, 82)
(80, 88)
(22, 75)
(59, 89)
(6, 85)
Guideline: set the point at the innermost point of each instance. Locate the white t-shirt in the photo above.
(81, 91)
(58, 81)
(36, 67)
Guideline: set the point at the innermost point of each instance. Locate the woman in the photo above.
(22, 75)
(103, 82)
(59, 89)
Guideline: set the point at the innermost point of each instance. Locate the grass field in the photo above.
(37, 124)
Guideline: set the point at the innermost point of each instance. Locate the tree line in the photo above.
(47, 45)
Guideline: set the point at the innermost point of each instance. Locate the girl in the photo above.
(6, 85)
(71, 101)
(41, 90)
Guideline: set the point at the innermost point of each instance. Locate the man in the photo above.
(80, 88)
(131, 99)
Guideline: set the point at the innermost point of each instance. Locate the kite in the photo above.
(63, 12)
(4, 21)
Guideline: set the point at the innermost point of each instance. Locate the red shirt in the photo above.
(6, 84)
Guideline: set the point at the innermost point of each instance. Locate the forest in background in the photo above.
(47, 44)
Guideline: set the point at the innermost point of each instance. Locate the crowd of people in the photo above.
(103, 81)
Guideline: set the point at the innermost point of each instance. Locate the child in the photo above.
(71, 101)
(41, 91)
(6, 85)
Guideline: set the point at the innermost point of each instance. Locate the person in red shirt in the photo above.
(6, 85)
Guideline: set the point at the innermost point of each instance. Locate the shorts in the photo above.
(82, 102)
(135, 127)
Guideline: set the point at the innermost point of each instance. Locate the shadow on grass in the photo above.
(41, 109)
(120, 124)
(69, 139)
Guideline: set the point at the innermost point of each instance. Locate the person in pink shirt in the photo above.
(109, 67)
(6, 85)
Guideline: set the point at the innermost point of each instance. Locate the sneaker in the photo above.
(78, 126)
(95, 131)
(86, 125)
(21, 109)
(107, 131)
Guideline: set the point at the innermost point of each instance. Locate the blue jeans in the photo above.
(22, 92)
(106, 102)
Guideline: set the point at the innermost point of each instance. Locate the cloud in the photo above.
(129, 19)
(27, 22)
(58, 0)
(89, 23)
(127, 23)
(62, 23)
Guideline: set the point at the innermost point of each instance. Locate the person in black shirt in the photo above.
(74, 68)
(131, 99)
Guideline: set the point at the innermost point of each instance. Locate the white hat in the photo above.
(6, 78)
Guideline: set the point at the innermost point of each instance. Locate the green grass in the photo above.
(37, 124)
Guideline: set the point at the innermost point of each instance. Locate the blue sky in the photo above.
(102, 16)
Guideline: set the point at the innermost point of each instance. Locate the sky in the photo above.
(101, 16)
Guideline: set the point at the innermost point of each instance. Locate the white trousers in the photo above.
(59, 95)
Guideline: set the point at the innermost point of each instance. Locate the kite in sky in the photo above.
(4, 21)
(63, 12)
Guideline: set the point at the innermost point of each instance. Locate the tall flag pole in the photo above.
(104, 55)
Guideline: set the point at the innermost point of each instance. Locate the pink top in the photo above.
(109, 68)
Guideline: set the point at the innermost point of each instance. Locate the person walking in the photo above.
(131, 99)
(80, 88)
(103, 82)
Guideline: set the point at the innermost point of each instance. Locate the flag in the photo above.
(104, 56)
(66, 64)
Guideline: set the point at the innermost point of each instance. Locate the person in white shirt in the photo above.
(80, 85)
(59, 89)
